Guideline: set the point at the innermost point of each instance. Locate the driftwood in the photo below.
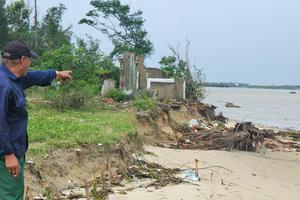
(244, 137)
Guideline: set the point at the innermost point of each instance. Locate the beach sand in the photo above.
(241, 175)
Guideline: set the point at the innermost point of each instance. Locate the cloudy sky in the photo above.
(250, 41)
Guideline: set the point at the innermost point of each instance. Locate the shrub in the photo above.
(86, 62)
(144, 102)
(117, 95)
(72, 100)
(71, 95)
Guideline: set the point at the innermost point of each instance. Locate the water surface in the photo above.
(276, 108)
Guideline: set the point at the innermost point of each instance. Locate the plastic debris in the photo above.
(193, 123)
(189, 175)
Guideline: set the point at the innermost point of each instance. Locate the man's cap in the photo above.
(16, 49)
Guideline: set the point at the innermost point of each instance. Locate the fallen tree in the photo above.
(244, 136)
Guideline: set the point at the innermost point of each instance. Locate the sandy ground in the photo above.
(242, 175)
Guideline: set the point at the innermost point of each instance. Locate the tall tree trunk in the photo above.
(35, 23)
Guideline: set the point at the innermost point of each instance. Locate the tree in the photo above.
(178, 65)
(85, 60)
(18, 20)
(123, 28)
(171, 67)
(52, 32)
(4, 37)
(42, 36)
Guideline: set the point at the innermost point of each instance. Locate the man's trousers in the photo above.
(11, 188)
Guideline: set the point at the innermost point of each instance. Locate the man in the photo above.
(14, 79)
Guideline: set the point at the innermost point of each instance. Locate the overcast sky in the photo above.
(250, 41)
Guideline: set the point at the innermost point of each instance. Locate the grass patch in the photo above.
(49, 128)
(143, 101)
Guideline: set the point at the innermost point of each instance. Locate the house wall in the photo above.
(134, 76)
(165, 90)
(142, 73)
(155, 73)
(128, 72)
(145, 73)
(107, 86)
(179, 89)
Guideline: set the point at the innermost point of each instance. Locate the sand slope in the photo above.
(250, 176)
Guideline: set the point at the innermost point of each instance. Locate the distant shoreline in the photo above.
(231, 123)
(245, 85)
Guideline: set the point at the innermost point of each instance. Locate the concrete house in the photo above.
(135, 76)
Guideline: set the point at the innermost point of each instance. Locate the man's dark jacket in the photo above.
(13, 112)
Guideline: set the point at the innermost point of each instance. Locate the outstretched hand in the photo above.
(63, 75)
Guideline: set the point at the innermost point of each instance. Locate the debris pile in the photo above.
(140, 174)
(244, 136)
(159, 175)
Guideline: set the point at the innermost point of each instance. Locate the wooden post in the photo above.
(109, 174)
(197, 167)
(26, 193)
(87, 191)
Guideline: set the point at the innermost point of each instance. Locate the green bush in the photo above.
(73, 100)
(71, 95)
(144, 102)
(86, 62)
(117, 95)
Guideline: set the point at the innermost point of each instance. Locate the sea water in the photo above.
(268, 107)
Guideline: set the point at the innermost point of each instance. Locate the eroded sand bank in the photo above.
(241, 175)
